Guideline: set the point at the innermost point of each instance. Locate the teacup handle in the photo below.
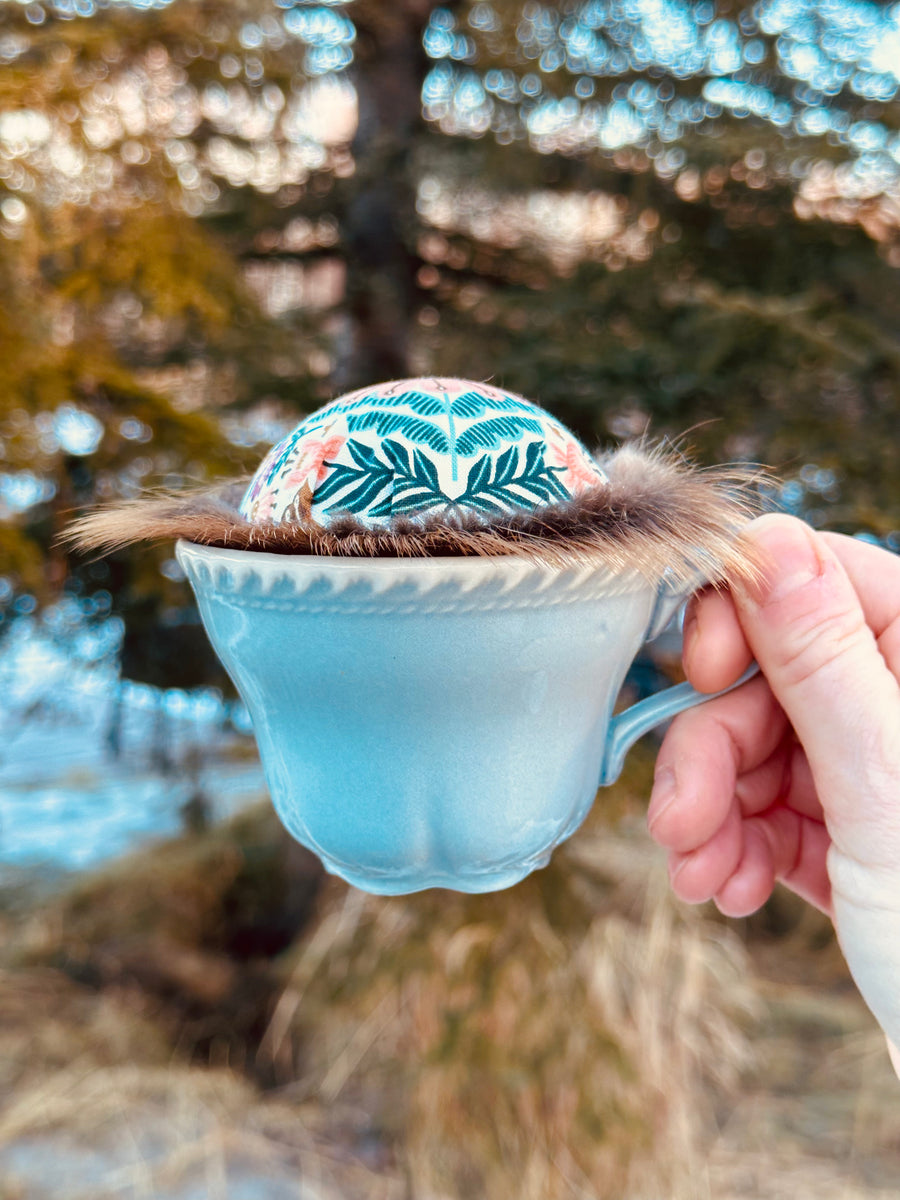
(626, 727)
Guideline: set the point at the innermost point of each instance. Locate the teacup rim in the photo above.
(295, 582)
(231, 569)
(390, 564)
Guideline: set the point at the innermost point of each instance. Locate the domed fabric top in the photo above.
(441, 447)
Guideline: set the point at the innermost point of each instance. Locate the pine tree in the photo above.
(689, 225)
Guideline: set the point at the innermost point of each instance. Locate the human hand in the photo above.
(796, 775)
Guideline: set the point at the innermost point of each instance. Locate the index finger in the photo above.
(705, 750)
(715, 652)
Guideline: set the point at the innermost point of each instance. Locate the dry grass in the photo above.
(579, 1036)
(569, 1037)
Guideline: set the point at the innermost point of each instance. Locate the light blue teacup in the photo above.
(434, 722)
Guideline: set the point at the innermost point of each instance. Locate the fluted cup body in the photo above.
(435, 722)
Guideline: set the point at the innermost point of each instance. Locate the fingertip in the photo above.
(715, 652)
(690, 628)
(663, 795)
(698, 875)
(753, 882)
(686, 882)
(704, 750)
(682, 817)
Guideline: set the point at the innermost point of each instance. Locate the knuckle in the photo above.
(820, 643)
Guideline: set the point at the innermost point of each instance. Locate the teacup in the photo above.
(433, 722)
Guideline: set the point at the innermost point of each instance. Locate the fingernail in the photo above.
(662, 795)
(792, 561)
(690, 630)
(677, 865)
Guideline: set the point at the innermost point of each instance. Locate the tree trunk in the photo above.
(379, 222)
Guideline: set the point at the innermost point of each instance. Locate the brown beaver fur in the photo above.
(658, 515)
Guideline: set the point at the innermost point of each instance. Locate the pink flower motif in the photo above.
(580, 471)
(311, 465)
(262, 509)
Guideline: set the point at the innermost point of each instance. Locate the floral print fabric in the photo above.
(416, 447)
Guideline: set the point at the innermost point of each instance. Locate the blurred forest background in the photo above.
(681, 217)
(216, 216)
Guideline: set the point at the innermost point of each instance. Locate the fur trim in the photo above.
(657, 515)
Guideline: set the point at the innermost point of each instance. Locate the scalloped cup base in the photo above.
(438, 722)
(404, 883)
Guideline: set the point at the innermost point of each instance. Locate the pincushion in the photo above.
(440, 467)
(446, 447)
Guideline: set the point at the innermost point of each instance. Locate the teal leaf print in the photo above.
(425, 404)
(364, 456)
(365, 494)
(413, 466)
(386, 422)
(476, 404)
(420, 402)
(479, 475)
(366, 480)
(410, 479)
(365, 487)
(426, 469)
(542, 476)
(339, 477)
(491, 434)
(398, 456)
(514, 480)
(409, 502)
(470, 404)
(384, 508)
(505, 466)
(416, 483)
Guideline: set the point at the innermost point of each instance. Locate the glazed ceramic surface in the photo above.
(439, 722)
(419, 446)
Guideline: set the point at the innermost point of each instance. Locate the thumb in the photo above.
(806, 625)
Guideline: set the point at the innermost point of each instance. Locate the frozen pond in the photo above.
(90, 767)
